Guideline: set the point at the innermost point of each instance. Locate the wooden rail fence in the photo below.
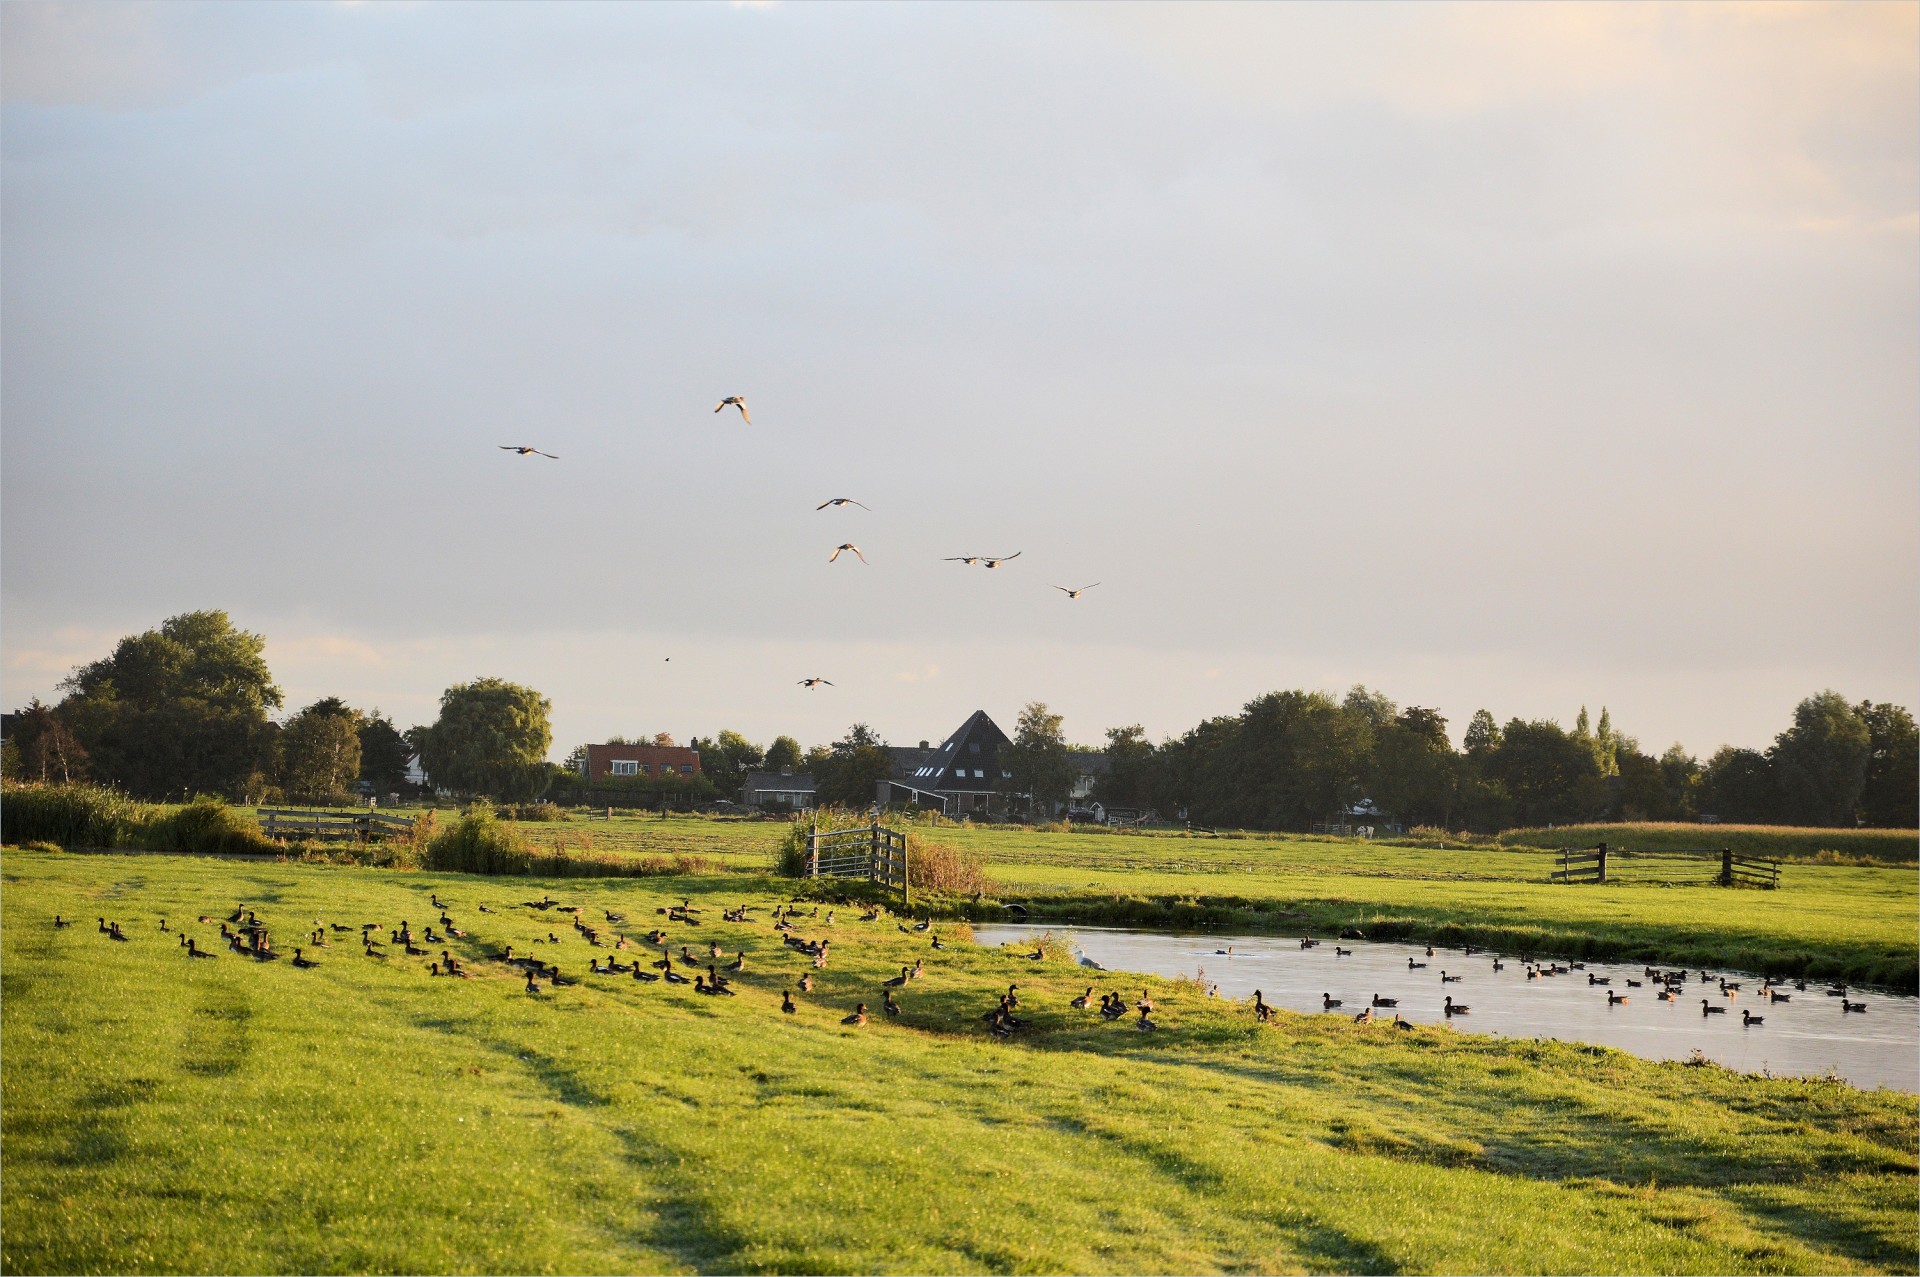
(1719, 866)
(875, 853)
(332, 826)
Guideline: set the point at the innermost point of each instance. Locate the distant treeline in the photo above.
(1293, 759)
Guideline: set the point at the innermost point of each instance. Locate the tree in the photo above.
(491, 738)
(727, 759)
(47, 748)
(1891, 795)
(1483, 735)
(1551, 776)
(1821, 761)
(1131, 764)
(383, 754)
(1415, 773)
(782, 754)
(1372, 706)
(847, 774)
(1037, 756)
(1289, 759)
(1738, 785)
(179, 708)
(319, 751)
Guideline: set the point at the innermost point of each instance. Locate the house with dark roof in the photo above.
(962, 775)
(784, 790)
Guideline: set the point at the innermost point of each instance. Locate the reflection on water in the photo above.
(1808, 1035)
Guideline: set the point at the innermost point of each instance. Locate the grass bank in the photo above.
(1777, 842)
(163, 1114)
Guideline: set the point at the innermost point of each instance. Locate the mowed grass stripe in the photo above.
(163, 1114)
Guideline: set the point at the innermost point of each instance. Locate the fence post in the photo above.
(1603, 861)
(906, 878)
(1726, 866)
(813, 852)
(873, 852)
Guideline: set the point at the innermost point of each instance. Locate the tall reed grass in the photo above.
(90, 816)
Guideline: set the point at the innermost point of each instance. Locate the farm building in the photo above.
(963, 771)
(603, 761)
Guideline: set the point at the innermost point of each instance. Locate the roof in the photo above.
(973, 748)
(797, 783)
(1092, 762)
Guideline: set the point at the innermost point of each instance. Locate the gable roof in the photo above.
(973, 747)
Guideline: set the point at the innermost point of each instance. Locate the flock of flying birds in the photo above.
(845, 547)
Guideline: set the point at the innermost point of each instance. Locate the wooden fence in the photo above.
(338, 825)
(1719, 866)
(875, 853)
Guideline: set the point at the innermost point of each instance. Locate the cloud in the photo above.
(912, 676)
(325, 649)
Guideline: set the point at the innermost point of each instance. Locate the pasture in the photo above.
(1828, 921)
(162, 1113)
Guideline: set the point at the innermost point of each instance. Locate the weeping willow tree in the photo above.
(491, 738)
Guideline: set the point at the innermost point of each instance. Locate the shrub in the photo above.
(536, 812)
(206, 826)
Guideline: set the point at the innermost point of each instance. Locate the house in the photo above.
(963, 771)
(654, 761)
(783, 789)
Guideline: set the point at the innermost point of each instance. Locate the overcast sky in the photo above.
(1504, 356)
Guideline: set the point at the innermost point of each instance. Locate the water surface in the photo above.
(1806, 1036)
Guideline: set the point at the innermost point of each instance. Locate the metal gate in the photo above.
(875, 853)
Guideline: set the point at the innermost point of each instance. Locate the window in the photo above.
(625, 767)
(686, 769)
(1006, 775)
(979, 774)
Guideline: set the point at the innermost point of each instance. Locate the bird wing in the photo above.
(548, 455)
(1085, 588)
(507, 447)
(717, 407)
(833, 556)
(857, 554)
(863, 505)
(1016, 554)
(1064, 590)
(741, 404)
(823, 505)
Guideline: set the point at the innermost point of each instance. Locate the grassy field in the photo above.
(1781, 842)
(1849, 922)
(230, 1115)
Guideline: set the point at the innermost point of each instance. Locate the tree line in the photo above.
(1291, 759)
(184, 709)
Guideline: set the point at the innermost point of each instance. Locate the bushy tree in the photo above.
(1483, 735)
(1552, 777)
(491, 738)
(1416, 773)
(1821, 761)
(383, 754)
(847, 773)
(1131, 764)
(1375, 707)
(783, 753)
(1890, 798)
(1288, 760)
(726, 759)
(320, 751)
(180, 708)
(1738, 786)
(1042, 767)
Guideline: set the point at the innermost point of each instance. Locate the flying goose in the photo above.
(737, 402)
(1074, 594)
(815, 682)
(526, 451)
(844, 548)
(843, 501)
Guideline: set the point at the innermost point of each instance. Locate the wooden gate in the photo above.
(875, 853)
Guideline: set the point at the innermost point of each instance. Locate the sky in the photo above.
(1517, 357)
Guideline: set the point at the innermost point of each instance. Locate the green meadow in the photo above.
(1830, 921)
(167, 1114)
